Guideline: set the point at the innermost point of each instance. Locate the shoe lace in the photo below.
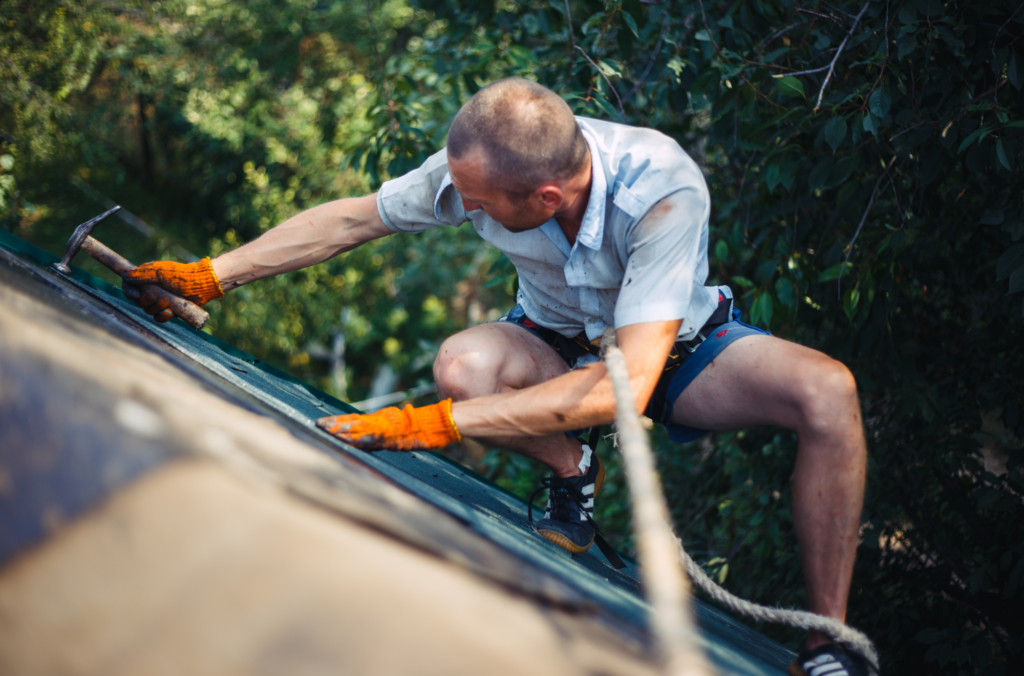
(563, 496)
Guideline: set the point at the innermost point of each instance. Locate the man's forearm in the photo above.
(576, 400)
(303, 240)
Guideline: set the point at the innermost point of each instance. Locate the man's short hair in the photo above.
(527, 133)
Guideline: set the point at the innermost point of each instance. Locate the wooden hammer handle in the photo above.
(186, 309)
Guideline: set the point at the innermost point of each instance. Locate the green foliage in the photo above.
(877, 217)
(216, 121)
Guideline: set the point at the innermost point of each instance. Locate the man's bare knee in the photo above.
(466, 366)
(827, 398)
(493, 358)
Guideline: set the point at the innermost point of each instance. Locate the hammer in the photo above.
(80, 240)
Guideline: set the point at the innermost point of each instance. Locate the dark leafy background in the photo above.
(864, 162)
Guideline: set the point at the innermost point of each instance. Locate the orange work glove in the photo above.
(196, 282)
(409, 429)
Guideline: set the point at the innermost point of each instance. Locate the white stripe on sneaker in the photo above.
(824, 664)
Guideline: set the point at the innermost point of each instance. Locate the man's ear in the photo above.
(550, 196)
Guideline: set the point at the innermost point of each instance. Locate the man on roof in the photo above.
(607, 226)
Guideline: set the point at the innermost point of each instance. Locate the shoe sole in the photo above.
(560, 539)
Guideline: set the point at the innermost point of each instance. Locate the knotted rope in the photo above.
(660, 562)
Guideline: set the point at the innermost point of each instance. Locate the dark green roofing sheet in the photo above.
(490, 511)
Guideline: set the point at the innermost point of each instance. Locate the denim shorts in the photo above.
(686, 360)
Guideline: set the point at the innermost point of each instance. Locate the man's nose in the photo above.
(470, 206)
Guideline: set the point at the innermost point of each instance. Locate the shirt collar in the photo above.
(591, 232)
(445, 182)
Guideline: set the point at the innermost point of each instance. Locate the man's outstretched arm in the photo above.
(305, 239)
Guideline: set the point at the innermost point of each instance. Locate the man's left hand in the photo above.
(408, 429)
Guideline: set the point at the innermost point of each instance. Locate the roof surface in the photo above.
(510, 553)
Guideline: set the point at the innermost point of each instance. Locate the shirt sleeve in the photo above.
(667, 263)
(422, 199)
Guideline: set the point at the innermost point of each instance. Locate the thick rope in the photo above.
(627, 417)
(667, 589)
(846, 636)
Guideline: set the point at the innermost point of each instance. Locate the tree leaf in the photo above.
(850, 301)
(1013, 74)
(784, 289)
(630, 22)
(702, 35)
(1010, 261)
(879, 103)
(765, 271)
(819, 175)
(930, 635)
(1001, 154)
(592, 21)
(742, 281)
(871, 124)
(763, 306)
(721, 251)
(832, 273)
(790, 86)
(1017, 281)
(835, 132)
(907, 46)
(974, 135)
(771, 177)
(840, 172)
(609, 68)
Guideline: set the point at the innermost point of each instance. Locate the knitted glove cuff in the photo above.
(437, 420)
(206, 285)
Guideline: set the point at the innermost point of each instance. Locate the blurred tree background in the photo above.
(864, 164)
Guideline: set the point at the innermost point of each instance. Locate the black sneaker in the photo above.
(829, 660)
(568, 519)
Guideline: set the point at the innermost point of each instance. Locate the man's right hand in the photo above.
(196, 282)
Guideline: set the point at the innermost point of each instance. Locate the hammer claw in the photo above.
(78, 237)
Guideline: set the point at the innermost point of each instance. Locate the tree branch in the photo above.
(839, 51)
(772, 38)
(568, 14)
(838, 10)
(863, 219)
(650, 65)
(819, 14)
(622, 110)
(1001, 30)
(802, 72)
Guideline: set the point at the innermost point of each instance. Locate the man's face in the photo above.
(470, 178)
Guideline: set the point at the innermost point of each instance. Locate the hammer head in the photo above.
(78, 236)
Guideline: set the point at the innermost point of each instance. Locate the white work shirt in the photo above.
(623, 268)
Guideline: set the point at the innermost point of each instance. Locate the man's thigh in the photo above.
(495, 357)
(757, 380)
